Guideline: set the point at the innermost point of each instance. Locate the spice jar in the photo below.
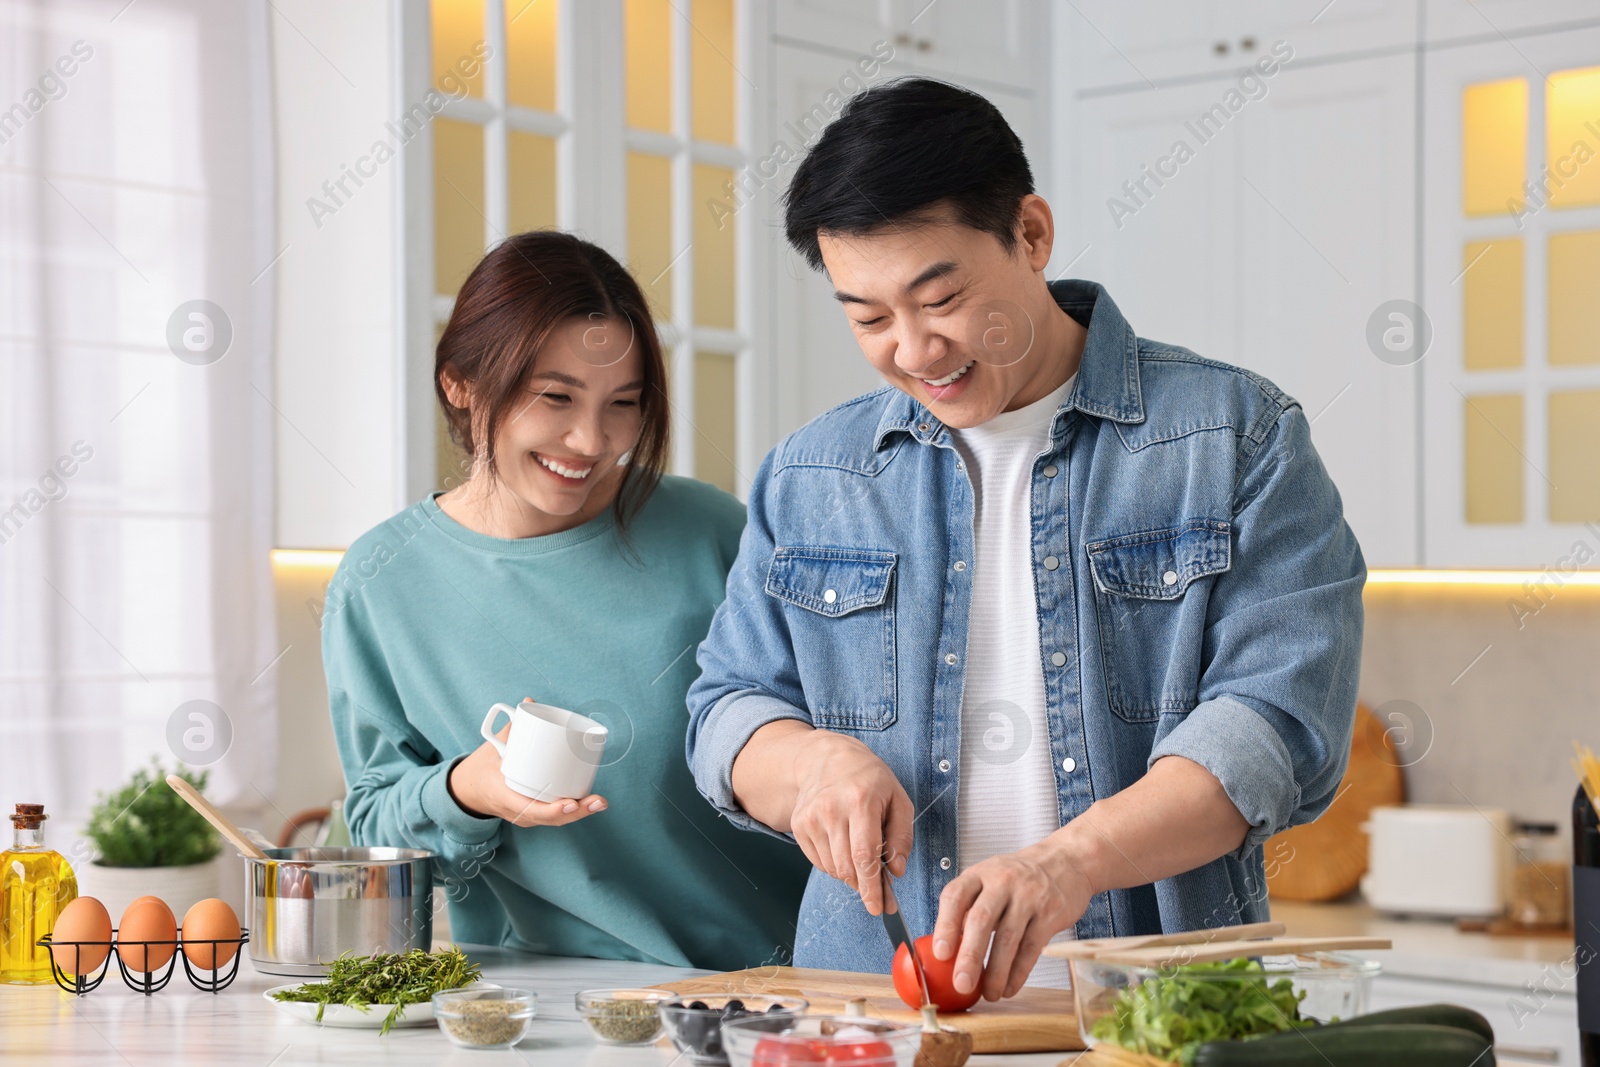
(1540, 877)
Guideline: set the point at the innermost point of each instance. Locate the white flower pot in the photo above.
(117, 887)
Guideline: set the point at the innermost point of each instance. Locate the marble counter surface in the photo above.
(181, 1026)
(1433, 949)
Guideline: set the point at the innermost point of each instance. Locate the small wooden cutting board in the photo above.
(1035, 1020)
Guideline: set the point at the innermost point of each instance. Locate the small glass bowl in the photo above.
(697, 1032)
(779, 1038)
(1331, 985)
(619, 1017)
(485, 1018)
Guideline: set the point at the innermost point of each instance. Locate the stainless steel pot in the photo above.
(310, 905)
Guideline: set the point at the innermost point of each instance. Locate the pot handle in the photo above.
(487, 729)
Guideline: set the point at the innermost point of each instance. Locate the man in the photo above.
(1063, 624)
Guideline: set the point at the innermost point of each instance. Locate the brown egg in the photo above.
(147, 919)
(84, 919)
(209, 920)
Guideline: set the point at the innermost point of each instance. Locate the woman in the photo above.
(569, 568)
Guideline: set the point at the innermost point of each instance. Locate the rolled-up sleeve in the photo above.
(1282, 655)
(748, 676)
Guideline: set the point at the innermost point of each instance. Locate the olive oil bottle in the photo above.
(35, 884)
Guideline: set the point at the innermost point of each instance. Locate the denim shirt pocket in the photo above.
(841, 622)
(1151, 604)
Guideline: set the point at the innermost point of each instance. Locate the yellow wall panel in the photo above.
(1574, 444)
(1492, 304)
(458, 203)
(715, 407)
(711, 70)
(1494, 140)
(458, 40)
(1574, 286)
(647, 59)
(1572, 137)
(650, 229)
(713, 247)
(1494, 465)
(531, 53)
(532, 181)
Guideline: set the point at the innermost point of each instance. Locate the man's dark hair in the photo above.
(899, 149)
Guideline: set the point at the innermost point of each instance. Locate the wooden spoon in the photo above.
(224, 826)
(1071, 950)
(1169, 955)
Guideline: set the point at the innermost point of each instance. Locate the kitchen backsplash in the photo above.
(1501, 697)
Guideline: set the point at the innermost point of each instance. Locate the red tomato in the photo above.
(941, 979)
(817, 1052)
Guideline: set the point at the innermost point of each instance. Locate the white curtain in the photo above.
(135, 485)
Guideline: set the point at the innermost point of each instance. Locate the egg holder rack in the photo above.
(148, 982)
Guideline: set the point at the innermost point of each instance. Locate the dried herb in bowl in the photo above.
(394, 978)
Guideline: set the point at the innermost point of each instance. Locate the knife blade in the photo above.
(894, 924)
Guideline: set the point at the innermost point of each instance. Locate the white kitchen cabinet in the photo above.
(1269, 246)
(1145, 44)
(1450, 20)
(1532, 464)
(994, 42)
(815, 359)
(1325, 235)
(1165, 253)
(1541, 1026)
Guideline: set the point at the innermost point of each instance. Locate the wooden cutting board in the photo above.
(1035, 1020)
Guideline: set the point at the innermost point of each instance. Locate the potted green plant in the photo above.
(148, 840)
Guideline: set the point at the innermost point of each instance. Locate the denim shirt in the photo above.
(1199, 595)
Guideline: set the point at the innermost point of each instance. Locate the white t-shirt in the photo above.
(1007, 778)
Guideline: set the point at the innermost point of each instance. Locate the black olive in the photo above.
(697, 1005)
(776, 1007)
(735, 1005)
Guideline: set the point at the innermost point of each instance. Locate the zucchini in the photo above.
(1437, 1014)
(1378, 1045)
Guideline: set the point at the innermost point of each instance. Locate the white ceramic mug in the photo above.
(550, 754)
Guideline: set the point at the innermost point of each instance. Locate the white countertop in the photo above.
(1432, 949)
(180, 1025)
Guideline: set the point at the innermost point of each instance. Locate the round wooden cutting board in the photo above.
(1325, 859)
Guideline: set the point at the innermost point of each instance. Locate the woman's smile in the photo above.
(571, 472)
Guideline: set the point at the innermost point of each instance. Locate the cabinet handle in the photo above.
(1247, 44)
(1220, 48)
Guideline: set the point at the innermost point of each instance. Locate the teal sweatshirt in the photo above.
(427, 624)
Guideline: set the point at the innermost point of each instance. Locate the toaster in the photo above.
(1438, 859)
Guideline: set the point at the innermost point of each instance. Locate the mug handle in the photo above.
(487, 729)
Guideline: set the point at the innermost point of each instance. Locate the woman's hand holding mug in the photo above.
(556, 750)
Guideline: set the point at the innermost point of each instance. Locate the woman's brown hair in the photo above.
(511, 302)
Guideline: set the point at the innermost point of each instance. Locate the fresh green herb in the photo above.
(397, 978)
(146, 824)
(1171, 1015)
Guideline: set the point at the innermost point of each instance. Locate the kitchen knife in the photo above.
(895, 924)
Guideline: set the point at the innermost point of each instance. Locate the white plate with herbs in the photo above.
(353, 1018)
(406, 981)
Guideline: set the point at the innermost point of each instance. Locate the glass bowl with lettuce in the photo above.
(1168, 1012)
